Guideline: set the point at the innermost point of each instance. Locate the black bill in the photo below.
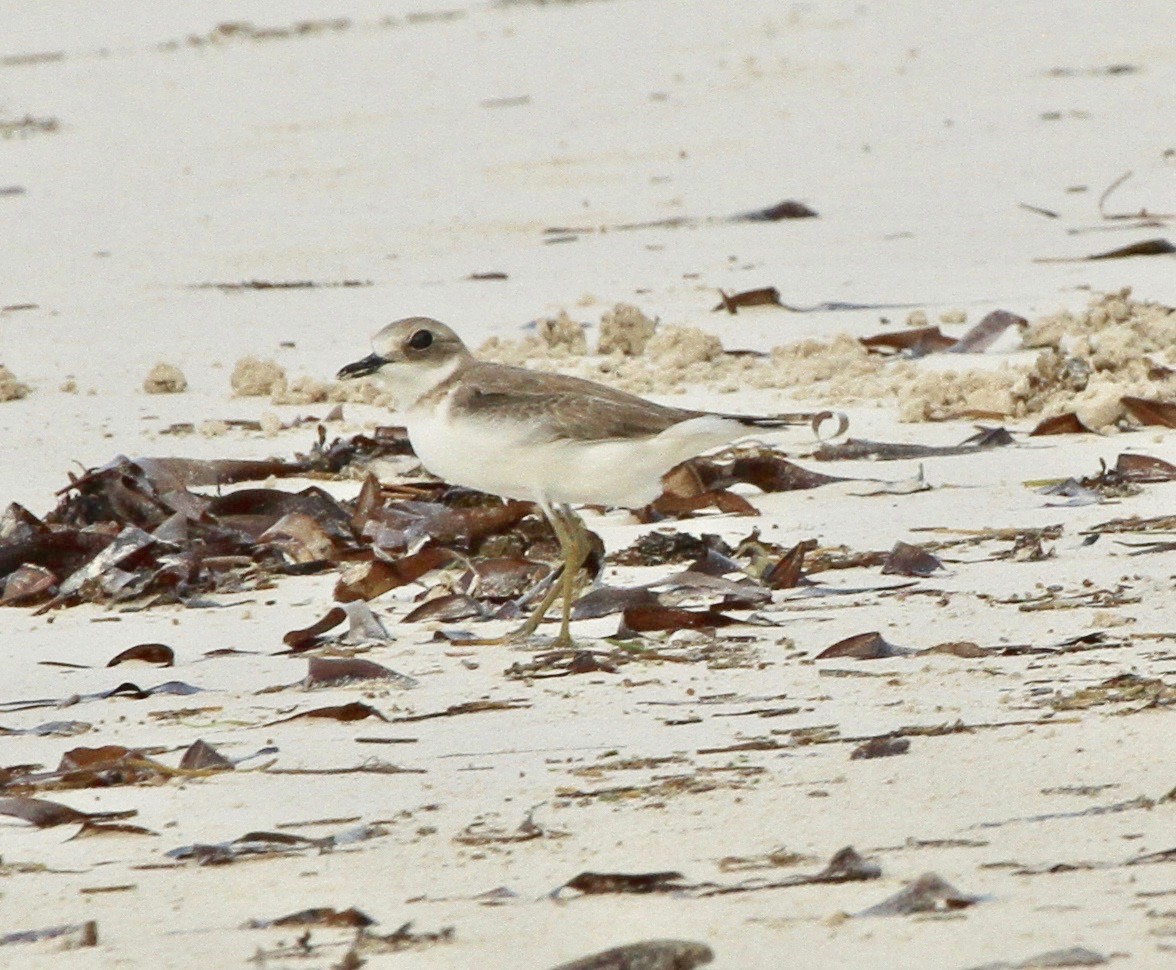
(361, 368)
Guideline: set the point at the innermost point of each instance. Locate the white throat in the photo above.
(409, 382)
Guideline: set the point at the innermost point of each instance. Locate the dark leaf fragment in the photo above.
(1067, 423)
(1144, 411)
(355, 711)
(201, 755)
(787, 209)
(986, 332)
(307, 637)
(45, 814)
(647, 618)
(863, 646)
(787, 573)
(378, 576)
(1146, 247)
(910, 560)
(927, 894)
(326, 916)
(1134, 467)
(880, 747)
(647, 955)
(764, 296)
(149, 653)
(596, 883)
(914, 342)
(70, 935)
(325, 671)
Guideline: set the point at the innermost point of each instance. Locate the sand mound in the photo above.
(165, 379)
(1087, 361)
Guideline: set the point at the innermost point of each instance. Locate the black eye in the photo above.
(421, 340)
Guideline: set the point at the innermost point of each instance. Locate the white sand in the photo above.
(391, 153)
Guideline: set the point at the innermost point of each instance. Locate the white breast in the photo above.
(502, 457)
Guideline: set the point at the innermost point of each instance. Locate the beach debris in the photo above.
(402, 938)
(44, 814)
(328, 672)
(1145, 247)
(1151, 412)
(200, 755)
(863, 646)
(157, 654)
(763, 296)
(598, 883)
(468, 707)
(165, 379)
(647, 618)
(787, 209)
(646, 955)
(880, 747)
(1071, 956)
(856, 449)
(67, 936)
(352, 711)
(565, 663)
(910, 560)
(929, 893)
(10, 388)
(321, 916)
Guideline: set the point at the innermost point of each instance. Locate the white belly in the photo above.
(504, 459)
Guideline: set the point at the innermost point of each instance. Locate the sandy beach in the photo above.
(245, 192)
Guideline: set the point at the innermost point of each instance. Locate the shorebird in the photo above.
(548, 438)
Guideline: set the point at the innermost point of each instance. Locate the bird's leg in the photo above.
(575, 546)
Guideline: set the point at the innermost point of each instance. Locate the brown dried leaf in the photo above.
(1144, 468)
(149, 653)
(920, 340)
(1067, 423)
(201, 755)
(378, 576)
(306, 638)
(28, 585)
(927, 894)
(596, 883)
(647, 618)
(880, 747)
(764, 296)
(1151, 412)
(448, 608)
(863, 646)
(323, 671)
(787, 573)
(910, 560)
(354, 711)
(41, 812)
(317, 916)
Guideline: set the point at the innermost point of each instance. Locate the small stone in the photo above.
(165, 379)
(916, 318)
(256, 378)
(10, 388)
(953, 316)
(270, 423)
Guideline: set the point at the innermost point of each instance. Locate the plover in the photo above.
(548, 438)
